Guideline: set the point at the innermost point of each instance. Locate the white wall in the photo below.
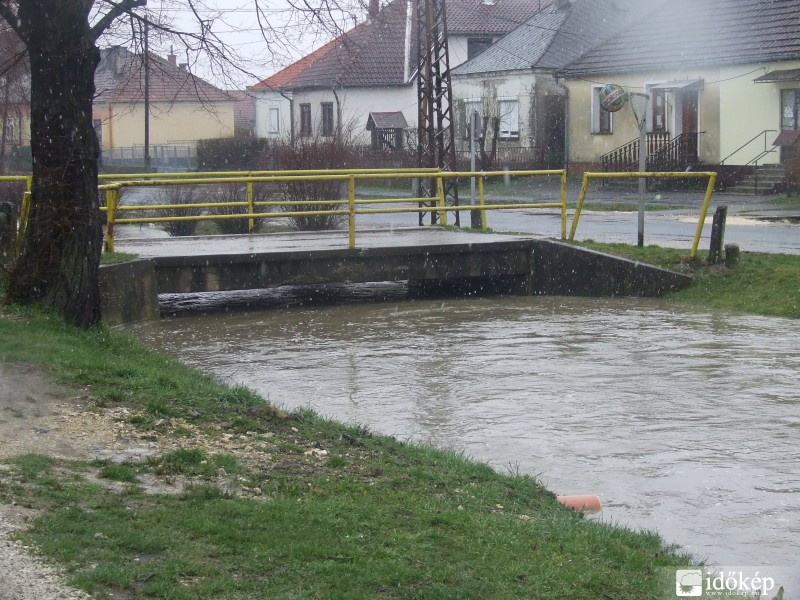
(519, 85)
(354, 104)
(264, 101)
(748, 109)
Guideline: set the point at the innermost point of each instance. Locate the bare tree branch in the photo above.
(117, 10)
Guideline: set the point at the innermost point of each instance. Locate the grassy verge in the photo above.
(761, 284)
(242, 501)
(288, 506)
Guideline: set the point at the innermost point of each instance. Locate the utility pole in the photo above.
(147, 161)
(638, 104)
(436, 147)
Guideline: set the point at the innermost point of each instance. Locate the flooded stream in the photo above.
(683, 422)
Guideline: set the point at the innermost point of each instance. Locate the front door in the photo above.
(688, 103)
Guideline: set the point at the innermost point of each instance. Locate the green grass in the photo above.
(369, 518)
(761, 284)
(788, 201)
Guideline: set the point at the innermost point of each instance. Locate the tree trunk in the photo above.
(59, 263)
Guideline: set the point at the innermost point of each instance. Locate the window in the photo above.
(471, 107)
(305, 119)
(659, 110)
(274, 119)
(601, 119)
(327, 119)
(509, 118)
(790, 109)
(477, 45)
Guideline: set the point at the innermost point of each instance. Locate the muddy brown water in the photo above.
(683, 422)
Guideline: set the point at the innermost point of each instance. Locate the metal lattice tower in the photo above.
(436, 143)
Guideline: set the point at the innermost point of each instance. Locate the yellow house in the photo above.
(722, 79)
(182, 108)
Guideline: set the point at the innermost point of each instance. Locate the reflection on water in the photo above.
(682, 422)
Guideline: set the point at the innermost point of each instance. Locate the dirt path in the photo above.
(37, 416)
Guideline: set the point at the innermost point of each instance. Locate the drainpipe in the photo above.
(407, 47)
(338, 113)
(566, 121)
(291, 116)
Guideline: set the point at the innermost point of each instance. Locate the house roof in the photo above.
(554, 37)
(119, 78)
(373, 52)
(779, 75)
(494, 18)
(693, 33)
(285, 76)
(386, 120)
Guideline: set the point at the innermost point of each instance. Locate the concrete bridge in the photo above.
(430, 259)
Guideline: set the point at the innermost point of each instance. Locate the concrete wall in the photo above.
(128, 292)
(564, 270)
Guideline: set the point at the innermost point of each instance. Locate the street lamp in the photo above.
(639, 104)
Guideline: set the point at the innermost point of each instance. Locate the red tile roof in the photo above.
(285, 76)
(120, 78)
(372, 53)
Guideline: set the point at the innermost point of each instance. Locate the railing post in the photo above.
(712, 180)
(440, 194)
(251, 223)
(351, 210)
(482, 200)
(564, 204)
(579, 206)
(112, 199)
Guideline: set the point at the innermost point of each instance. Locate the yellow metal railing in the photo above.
(354, 206)
(712, 179)
(24, 210)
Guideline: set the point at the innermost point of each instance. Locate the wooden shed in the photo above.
(387, 130)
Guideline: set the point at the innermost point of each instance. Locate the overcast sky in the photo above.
(235, 22)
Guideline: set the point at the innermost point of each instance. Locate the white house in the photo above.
(513, 80)
(370, 70)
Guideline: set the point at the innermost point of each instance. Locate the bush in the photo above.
(231, 154)
(314, 153)
(180, 195)
(237, 192)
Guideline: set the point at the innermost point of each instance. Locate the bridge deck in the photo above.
(217, 245)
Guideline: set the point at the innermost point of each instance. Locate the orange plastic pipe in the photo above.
(582, 503)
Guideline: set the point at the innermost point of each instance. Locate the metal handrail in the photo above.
(354, 206)
(712, 178)
(750, 141)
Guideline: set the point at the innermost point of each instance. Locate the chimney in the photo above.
(374, 8)
(172, 57)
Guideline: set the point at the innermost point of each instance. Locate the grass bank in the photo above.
(270, 505)
(239, 500)
(760, 284)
